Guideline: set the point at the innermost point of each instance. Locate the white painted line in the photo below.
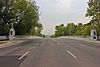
(23, 55)
(72, 54)
(69, 52)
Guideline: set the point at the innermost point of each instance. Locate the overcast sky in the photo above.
(55, 12)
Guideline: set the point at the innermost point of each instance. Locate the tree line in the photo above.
(93, 11)
(24, 14)
(74, 30)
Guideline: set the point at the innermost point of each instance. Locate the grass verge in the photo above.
(3, 42)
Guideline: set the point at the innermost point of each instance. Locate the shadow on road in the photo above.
(10, 61)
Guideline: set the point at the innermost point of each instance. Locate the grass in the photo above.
(2, 42)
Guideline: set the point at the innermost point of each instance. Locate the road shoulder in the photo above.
(11, 43)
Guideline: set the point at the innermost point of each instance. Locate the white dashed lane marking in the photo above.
(72, 54)
(23, 55)
(68, 51)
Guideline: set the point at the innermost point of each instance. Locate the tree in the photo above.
(59, 30)
(23, 13)
(73, 30)
(62, 30)
(27, 15)
(6, 16)
(94, 11)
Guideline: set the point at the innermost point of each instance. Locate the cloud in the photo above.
(54, 12)
(65, 4)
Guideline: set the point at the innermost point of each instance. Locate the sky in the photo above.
(56, 12)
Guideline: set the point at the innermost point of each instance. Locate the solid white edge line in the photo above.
(23, 55)
(71, 54)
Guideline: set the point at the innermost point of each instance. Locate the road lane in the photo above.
(88, 56)
(19, 48)
(10, 56)
(51, 53)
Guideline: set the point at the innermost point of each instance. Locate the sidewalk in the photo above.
(81, 38)
(88, 40)
(93, 41)
(10, 43)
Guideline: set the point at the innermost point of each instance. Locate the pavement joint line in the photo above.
(71, 54)
(23, 55)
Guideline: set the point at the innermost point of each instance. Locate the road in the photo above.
(51, 53)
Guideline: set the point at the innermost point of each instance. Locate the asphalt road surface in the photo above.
(51, 53)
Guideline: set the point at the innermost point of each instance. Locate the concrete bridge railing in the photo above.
(78, 37)
(27, 37)
(4, 38)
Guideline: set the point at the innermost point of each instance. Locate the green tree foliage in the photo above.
(36, 30)
(53, 36)
(74, 30)
(79, 29)
(93, 11)
(59, 30)
(24, 14)
(6, 16)
(62, 30)
(71, 28)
